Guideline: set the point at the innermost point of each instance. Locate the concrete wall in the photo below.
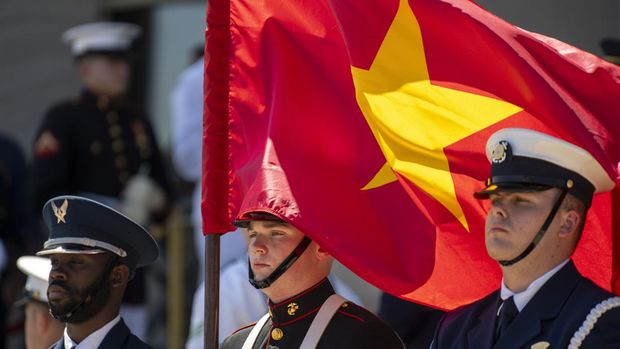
(176, 30)
(36, 69)
(578, 22)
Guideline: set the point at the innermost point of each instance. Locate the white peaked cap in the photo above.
(538, 145)
(37, 269)
(100, 36)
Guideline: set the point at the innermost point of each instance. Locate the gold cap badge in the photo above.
(292, 308)
(61, 212)
(499, 153)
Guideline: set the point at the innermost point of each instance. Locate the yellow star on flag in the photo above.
(413, 120)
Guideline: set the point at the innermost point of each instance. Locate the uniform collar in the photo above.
(302, 305)
(522, 298)
(94, 339)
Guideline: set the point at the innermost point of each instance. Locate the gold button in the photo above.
(120, 161)
(96, 148)
(112, 117)
(344, 305)
(277, 334)
(114, 131)
(103, 102)
(118, 146)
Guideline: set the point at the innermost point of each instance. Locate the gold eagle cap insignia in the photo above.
(61, 212)
(540, 345)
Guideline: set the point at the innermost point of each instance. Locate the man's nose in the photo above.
(498, 208)
(57, 273)
(258, 245)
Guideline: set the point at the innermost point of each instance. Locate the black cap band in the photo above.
(288, 261)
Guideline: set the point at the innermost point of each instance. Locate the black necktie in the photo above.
(506, 314)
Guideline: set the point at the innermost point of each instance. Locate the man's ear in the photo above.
(119, 275)
(322, 253)
(570, 222)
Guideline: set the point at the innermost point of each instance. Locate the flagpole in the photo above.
(212, 290)
(216, 161)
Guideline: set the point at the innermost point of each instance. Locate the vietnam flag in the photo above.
(364, 125)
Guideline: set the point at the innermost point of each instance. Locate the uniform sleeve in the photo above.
(51, 158)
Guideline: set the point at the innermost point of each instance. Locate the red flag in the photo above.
(364, 124)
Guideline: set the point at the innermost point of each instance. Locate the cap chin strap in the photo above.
(540, 233)
(288, 261)
(96, 285)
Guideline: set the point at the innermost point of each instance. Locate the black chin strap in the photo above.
(288, 261)
(95, 286)
(540, 233)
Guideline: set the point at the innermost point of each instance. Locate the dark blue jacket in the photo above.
(553, 315)
(119, 337)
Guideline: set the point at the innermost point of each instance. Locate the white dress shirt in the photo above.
(94, 339)
(522, 298)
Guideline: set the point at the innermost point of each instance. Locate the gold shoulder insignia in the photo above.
(540, 345)
(47, 145)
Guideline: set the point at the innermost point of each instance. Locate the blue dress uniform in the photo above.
(119, 337)
(553, 315)
(566, 310)
(351, 327)
(79, 225)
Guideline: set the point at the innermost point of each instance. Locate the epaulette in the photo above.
(349, 309)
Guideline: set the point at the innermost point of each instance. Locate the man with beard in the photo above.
(304, 311)
(94, 252)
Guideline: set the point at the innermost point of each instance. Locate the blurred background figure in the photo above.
(611, 50)
(41, 330)
(98, 144)
(17, 234)
(186, 102)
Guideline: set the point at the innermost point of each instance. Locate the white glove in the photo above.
(141, 197)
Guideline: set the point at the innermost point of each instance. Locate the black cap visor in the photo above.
(245, 219)
(512, 187)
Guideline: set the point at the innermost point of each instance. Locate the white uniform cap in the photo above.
(536, 145)
(100, 36)
(37, 269)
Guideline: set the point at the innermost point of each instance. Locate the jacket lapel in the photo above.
(481, 336)
(116, 337)
(545, 305)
